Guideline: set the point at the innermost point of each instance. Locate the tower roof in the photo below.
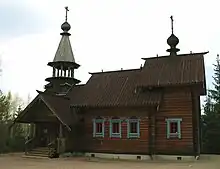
(64, 52)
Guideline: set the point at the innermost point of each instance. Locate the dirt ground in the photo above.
(18, 162)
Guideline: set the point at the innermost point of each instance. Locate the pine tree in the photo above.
(215, 93)
(209, 126)
(18, 128)
(4, 107)
(211, 117)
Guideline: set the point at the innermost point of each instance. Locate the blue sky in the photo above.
(108, 35)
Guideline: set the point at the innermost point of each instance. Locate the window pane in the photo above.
(115, 127)
(173, 127)
(133, 127)
(98, 127)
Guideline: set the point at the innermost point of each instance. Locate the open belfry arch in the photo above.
(149, 111)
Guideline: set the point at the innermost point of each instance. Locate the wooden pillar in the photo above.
(152, 130)
(61, 140)
(149, 135)
(194, 124)
(54, 71)
(199, 126)
(72, 73)
(68, 71)
(57, 72)
(61, 73)
(60, 131)
(32, 130)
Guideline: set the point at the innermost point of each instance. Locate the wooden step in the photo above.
(39, 152)
(37, 155)
(34, 156)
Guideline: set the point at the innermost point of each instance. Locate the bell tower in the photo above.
(63, 63)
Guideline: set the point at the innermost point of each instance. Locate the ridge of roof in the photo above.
(185, 54)
(115, 71)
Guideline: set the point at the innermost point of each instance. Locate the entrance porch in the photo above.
(47, 139)
(48, 133)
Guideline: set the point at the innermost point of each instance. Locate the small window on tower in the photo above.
(173, 127)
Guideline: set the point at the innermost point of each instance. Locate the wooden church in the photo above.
(152, 110)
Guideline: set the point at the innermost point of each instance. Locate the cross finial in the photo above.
(66, 12)
(171, 23)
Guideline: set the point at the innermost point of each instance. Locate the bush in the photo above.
(16, 144)
(10, 144)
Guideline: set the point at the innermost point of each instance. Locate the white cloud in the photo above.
(109, 35)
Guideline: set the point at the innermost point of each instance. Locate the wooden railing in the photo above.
(29, 144)
(52, 146)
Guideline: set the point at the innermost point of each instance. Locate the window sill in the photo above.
(115, 135)
(98, 135)
(174, 136)
(133, 135)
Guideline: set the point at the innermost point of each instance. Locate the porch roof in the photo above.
(59, 106)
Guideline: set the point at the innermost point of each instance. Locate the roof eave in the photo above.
(119, 106)
(202, 53)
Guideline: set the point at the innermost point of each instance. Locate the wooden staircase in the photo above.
(43, 152)
(48, 151)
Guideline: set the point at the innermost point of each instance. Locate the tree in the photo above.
(211, 117)
(215, 93)
(4, 107)
(210, 127)
(9, 109)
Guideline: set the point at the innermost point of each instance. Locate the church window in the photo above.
(173, 127)
(115, 128)
(133, 127)
(98, 127)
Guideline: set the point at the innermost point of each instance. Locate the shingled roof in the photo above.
(177, 70)
(60, 107)
(116, 88)
(119, 88)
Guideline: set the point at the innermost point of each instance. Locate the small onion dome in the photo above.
(172, 41)
(65, 26)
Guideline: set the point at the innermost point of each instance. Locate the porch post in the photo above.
(61, 131)
(61, 140)
(32, 129)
